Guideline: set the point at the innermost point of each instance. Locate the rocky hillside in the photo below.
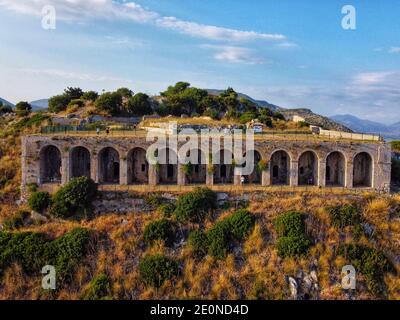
(315, 119)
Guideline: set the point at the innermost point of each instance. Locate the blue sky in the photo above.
(290, 53)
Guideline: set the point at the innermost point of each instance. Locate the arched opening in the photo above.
(138, 167)
(335, 169)
(198, 169)
(255, 176)
(109, 170)
(50, 165)
(308, 169)
(280, 164)
(223, 172)
(80, 162)
(362, 170)
(168, 172)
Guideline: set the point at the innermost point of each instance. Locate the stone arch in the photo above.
(308, 168)
(280, 168)
(224, 171)
(199, 169)
(50, 164)
(168, 172)
(335, 169)
(80, 162)
(109, 166)
(362, 170)
(138, 166)
(256, 175)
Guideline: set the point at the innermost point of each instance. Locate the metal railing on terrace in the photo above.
(128, 130)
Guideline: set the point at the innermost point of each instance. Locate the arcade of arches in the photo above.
(119, 161)
(109, 168)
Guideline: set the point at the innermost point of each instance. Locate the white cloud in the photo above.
(287, 45)
(234, 54)
(106, 9)
(394, 50)
(213, 32)
(71, 75)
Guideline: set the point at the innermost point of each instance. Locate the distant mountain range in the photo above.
(40, 104)
(366, 126)
(36, 105)
(5, 102)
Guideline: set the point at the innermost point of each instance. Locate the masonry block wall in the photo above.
(122, 160)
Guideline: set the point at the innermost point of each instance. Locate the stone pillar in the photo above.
(294, 173)
(209, 175)
(266, 177)
(181, 175)
(349, 174)
(94, 170)
(322, 173)
(123, 172)
(236, 179)
(65, 168)
(153, 175)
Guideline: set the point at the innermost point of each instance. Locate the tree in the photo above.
(23, 108)
(179, 87)
(58, 103)
(90, 96)
(110, 102)
(125, 92)
(73, 93)
(140, 104)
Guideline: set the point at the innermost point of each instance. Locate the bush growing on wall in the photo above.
(155, 270)
(39, 201)
(74, 197)
(195, 205)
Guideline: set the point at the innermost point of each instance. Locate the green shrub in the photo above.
(195, 205)
(198, 241)
(24, 248)
(345, 215)
(371, 263)
(290, 224)
(241, 222)
(39, 201)
(292, 246)
(65, 252)
(292, 237)
(75, 197)
(15, 221)
(32, 251)
(218, 239)
(99, 288)
(166, 209)
(156, 269)
(233, 228)
(159, 230)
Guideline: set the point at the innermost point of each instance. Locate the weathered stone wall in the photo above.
(290, 164)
